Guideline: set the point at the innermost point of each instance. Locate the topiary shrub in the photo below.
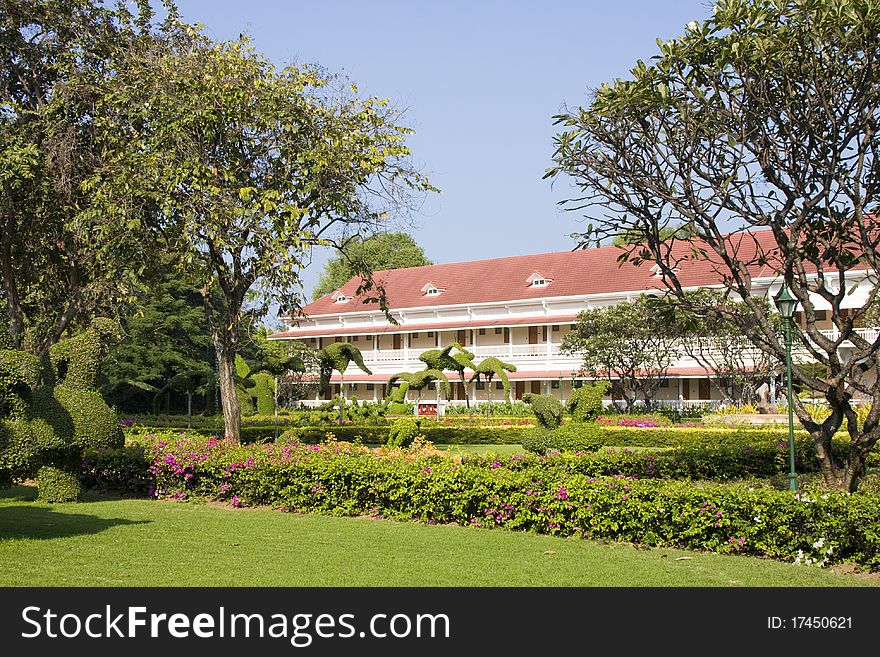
(263, 393)
(547, 409)
(585, 403)
(397, 404)
(570, 437)
(403, 432)
(59, 482)
(46, 429)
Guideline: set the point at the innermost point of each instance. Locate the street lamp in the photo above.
(786, 303)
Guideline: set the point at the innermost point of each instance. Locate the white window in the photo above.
(431, 290)
(339, 297)
(538, 280)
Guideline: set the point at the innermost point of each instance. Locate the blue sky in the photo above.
(480, 82)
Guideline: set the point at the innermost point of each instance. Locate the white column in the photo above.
(509, 342)
(406, 347)
(549, 330)
(437, 334)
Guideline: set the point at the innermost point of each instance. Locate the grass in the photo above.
(132, 542)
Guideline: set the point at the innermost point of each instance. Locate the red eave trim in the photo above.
(541, 320)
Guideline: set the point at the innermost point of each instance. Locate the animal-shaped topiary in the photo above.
(396, 402)
(46, 427)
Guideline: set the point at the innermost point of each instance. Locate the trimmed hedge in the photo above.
(589, 436)
(58, 484)
(123, 470)
(422, 484)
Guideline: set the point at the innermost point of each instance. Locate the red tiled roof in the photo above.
(573, 273)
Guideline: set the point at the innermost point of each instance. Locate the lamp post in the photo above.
(786, 303)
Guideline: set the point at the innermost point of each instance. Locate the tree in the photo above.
(165, 335)
(489, 368)
(420, 380)
(736, 366)
(338, 356)
(634, 237)
(445, 360)
(62, 261)
(624, 343)
(189, 384)
(249, 167)
(281, 360)
(372, 253)
(758, 130)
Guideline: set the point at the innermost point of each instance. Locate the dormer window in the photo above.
(655, 269)
(339, 297)
(431, 290)
(538, 280)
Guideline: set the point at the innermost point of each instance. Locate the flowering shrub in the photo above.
(639, 421)
(617, 496)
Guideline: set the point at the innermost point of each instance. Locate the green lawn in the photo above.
(113, 542)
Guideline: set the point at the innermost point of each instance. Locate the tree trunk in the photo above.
(228, 397)
(189, 409)
(275, 405)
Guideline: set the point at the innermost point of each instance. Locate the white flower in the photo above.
(819, 544)
(757, 518)
(693, 26)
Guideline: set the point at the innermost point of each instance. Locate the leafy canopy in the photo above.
(368, 254)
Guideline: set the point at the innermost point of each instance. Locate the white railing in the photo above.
(385, 356)
(869, 334)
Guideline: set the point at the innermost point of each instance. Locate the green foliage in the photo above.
(337, 357)
(714, 442)
(62, 261)
(510, 409)
(19, 374)
(438, 434)
(397, 404)
(570, 437)
(548, 410)
(585, 403)
(403, 432)
(684, 107)
(75, 361)
(123, 470)
(264, 393)
(626, 342)
(373, 253)
(80, 417)
(290, 156)
(491, 367)
(58, 484)
(50, 426)
(543, 495)
(399, 384)
(166, 334)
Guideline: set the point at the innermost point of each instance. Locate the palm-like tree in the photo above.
(338, 356)
(419, 381)
(277, 365)
(489, 368)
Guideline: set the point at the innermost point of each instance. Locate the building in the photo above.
(517, 309)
